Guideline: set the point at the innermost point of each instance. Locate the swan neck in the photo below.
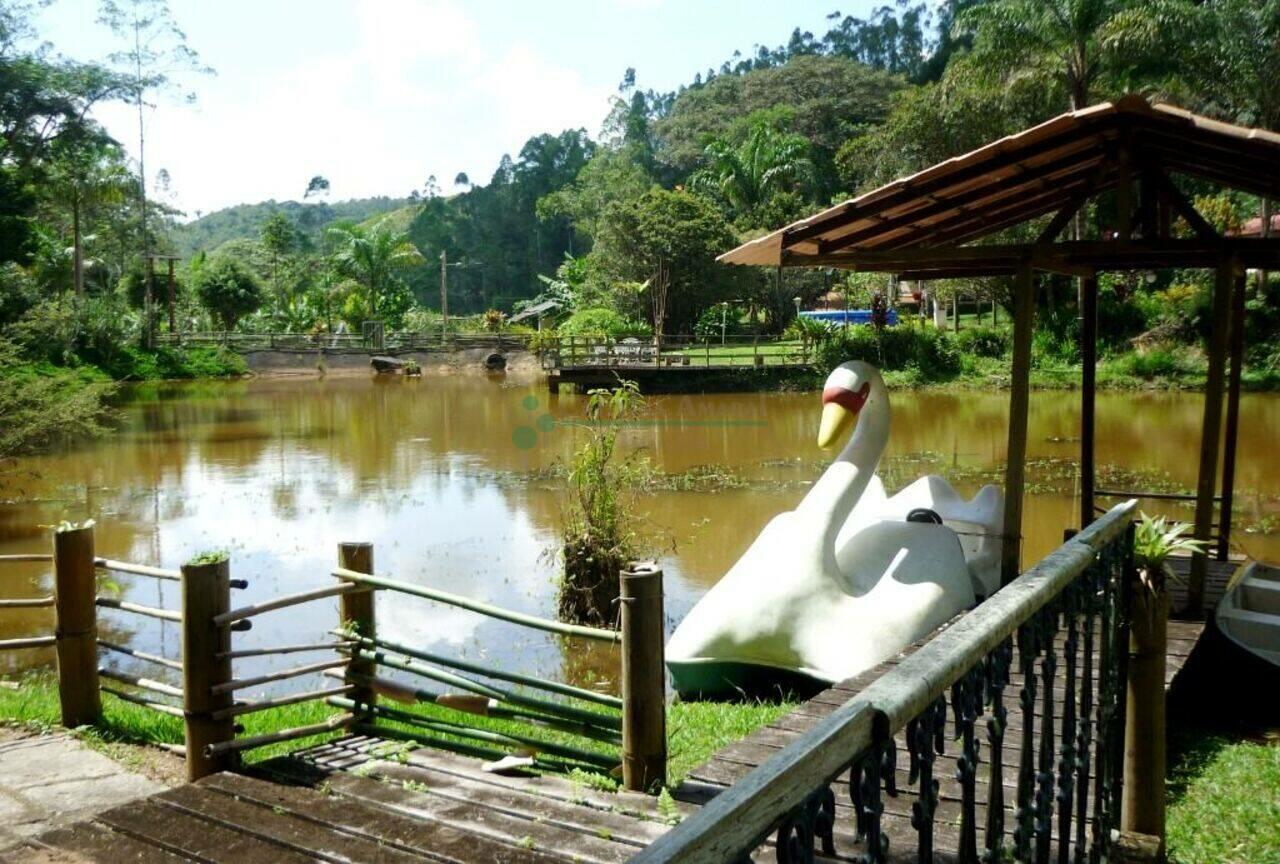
(838, 490)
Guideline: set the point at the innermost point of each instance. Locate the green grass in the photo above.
(1224, 802)
(696, 730)
(34, 706)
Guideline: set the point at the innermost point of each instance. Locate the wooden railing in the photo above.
(675, 351)
(561, 725)
(626, 730)
(338, 342)
(1081, 589)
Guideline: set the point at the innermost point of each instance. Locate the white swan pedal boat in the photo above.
(850, 577)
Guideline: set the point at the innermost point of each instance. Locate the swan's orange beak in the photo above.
(836, 420)
(840, 408)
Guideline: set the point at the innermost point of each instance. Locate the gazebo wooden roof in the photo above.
(939, 224)
(918, 226)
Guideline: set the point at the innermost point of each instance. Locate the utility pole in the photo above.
(444, 296)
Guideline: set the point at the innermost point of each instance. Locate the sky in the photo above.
(376, 95)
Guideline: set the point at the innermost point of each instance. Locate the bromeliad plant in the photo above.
(1154, 540)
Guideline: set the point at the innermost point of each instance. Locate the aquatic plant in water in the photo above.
(598, 541)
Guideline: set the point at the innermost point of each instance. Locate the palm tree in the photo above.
(373, 258)
(747, 175)
(1234, 67)
(84, 175)
(1078, 45)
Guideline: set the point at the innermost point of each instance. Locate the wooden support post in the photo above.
(1088, 393)
(1143, 804)
(1210, 431)
(206, 592)
(1233, 417)
(76, 628)
(1019, 401)
(172, 318)
(356, 611)
(644, 708)
(149, 303)
(1124, 197)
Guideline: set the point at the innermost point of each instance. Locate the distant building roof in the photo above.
(1253, 227)
(535, 311)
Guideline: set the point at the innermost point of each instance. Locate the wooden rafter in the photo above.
(1033, 177)
(1187, 210)
(909, 189)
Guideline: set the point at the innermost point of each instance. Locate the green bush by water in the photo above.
(928, 353)
(601, 322)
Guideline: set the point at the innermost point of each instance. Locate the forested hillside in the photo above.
(245, 221)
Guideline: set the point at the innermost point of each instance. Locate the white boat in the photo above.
(848, 578)
(1249, 613)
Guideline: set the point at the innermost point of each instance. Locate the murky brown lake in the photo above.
(449, 478)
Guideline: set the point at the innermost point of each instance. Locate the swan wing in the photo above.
(907, 579)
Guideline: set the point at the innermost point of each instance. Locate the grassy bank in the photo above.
(1224, 801)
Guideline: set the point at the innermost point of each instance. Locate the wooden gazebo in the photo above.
(937, 224)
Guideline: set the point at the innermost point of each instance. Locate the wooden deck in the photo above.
(733, 762)
(1217, 575)
(364, 799)
(343, 802)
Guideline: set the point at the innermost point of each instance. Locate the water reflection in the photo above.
(434, 473)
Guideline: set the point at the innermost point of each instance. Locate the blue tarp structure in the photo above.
(855, 316)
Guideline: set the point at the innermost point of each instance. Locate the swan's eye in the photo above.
(848, 399)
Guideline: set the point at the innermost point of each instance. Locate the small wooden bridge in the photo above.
(655, 364)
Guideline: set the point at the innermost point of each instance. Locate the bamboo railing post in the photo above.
(206, 592)
(76, 627)
(355, 608)
(1143, 786)
(644, 709)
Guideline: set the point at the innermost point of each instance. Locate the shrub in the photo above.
(493, 320)
(599, 322)
(42, 405)
(927, 350)
(984, 341)
(228, 289)
(713, 318)
(18, 292)
(1154, 363)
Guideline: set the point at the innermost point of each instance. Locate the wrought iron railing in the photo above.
(1062, 626)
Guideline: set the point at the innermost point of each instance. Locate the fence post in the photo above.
(76, 626)
(355, 609)
(1143, 787)
(206, 592)
(644, 695)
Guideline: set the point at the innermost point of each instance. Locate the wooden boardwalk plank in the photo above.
(88, 841)
(524, 836)
(164, 827)
(329, 812)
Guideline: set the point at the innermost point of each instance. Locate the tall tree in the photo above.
(155, 54)
(84, 173)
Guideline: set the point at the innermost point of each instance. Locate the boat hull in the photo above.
(734, 680)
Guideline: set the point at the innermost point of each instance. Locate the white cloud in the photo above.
(415, 91)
